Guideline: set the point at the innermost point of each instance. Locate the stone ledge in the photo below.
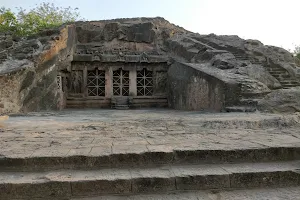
(115, 58)
(74, 183)
(142, 155)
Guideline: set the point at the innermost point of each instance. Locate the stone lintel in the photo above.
(116, 58)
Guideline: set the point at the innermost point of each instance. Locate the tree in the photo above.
(44, 16)
(8, 21)
(297, 51)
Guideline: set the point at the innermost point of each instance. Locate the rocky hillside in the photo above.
(263, 72)
(29, 66)
(28, 69)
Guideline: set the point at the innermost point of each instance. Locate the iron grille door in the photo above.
(121, 83)
(96, 83)
(144, 83)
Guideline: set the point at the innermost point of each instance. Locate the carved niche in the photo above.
(75, 82)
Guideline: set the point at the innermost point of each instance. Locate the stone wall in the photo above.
(192, 88)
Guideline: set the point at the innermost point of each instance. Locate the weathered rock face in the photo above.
(224, 61)
(219, 71)
(124, 39)
(204, 90)
(282, 100)
(29, 70)
(263, 68)
(261, 74)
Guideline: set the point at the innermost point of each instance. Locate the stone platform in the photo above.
(81, 154)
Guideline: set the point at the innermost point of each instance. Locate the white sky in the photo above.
(273, 22)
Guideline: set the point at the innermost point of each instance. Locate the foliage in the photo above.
(44, 16)
(297, 52)
(8, 21)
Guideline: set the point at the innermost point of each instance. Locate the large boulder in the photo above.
(261, 74)
(224, 61)
(282, 100)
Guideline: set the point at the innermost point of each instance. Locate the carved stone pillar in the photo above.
(132, 82)
(84, 85)
(108, 82)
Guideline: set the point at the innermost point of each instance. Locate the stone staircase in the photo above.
(281, 74)
(246, 104)
(249, 103)
(120, 103)
(283, 77)
(155, 171)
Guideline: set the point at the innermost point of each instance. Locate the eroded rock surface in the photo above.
(282, 100)
(261, 74)
(30, 66)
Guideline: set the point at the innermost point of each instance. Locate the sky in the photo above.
(273, 22)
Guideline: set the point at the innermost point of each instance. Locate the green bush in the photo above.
(44, 16)
(8, 21)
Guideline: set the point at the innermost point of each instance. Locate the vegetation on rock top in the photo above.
(43, 16)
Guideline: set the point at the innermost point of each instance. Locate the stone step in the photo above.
(277, 76)
(131, 156)
(250, 95)
(78, 183)
(277, 70)
(289, 81)
(257, 63)
(249, 102)
(87, 103)
(283, 82)
(242, 58)
(248, 194)
(281, 75)
(285, 76)
(120, 100)
(120, 103)
(240, 109)
(121, 107)
(239, 55)
(289, 85)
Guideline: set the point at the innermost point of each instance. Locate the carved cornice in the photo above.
(120, 57)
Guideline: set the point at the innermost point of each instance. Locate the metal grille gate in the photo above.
(144, 83)
(96, 83)
(121, 83)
